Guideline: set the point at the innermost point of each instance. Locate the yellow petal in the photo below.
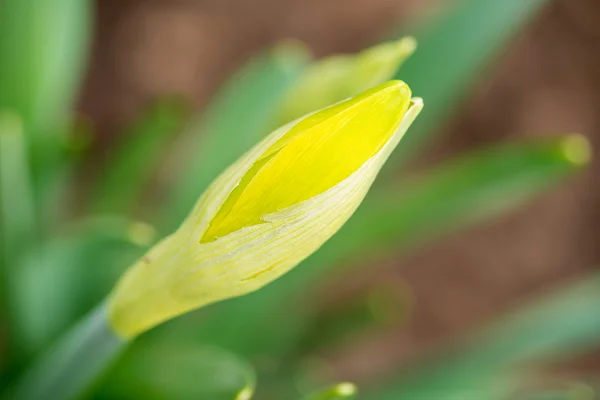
(317, 153)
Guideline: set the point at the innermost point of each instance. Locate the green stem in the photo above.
(68, 369)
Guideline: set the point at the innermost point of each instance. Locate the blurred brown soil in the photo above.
(546, 83)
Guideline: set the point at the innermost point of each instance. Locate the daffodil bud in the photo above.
(340, 76)
(269, 210)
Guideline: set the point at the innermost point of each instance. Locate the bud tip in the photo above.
(141, 234)
(576, 149)
(346, 389)
(408, 44)
(244, 394)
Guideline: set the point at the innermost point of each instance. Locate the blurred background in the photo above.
(161, 63)
(545, 82)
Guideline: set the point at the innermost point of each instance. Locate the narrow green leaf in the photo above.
(66, 277)
(137, 157)
(453, 51)
(460, 192)
(235, 120)
(345, 390)
(557, 326)
(43, 48)
(449, 197)
(18, 222)
(17, 210)
(178, 369)
(558, 389)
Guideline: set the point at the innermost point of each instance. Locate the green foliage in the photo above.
(180, 369)
(69, 275)
(40, 76)
(53, 271)
(453, 51)
(559, 325)
(17, 211)
(337, 392)
(43, 47)
(135, 159)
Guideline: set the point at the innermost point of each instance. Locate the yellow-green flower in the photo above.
(340, 76)
(268, 211)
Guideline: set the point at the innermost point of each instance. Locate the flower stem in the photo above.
(68, 369)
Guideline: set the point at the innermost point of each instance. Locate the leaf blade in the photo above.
(136, 157)
(452, 51)
(563, 322)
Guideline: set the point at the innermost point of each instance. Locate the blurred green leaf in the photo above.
(66, 277)
(381, 306)
(176, 369)
(557, 326)
(43, 48)
(137, 157)
(340, 76)
(234, 121)
(453, 51)
(450, 196)
(345, 390)
(17, 210)
(558, 389)
(470, 188)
